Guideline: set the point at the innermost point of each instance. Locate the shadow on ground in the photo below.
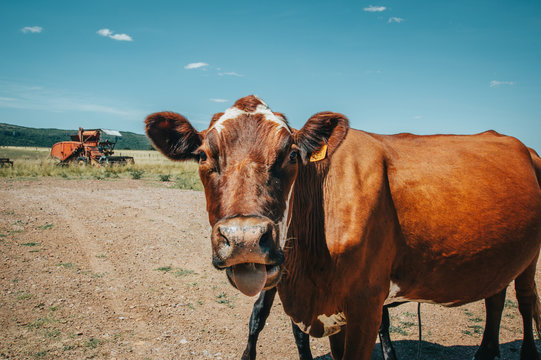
(407, 350)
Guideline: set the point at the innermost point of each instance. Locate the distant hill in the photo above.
(13, 135)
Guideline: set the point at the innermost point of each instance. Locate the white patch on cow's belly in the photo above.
(394, 289)
(304, 328)
(332, 324)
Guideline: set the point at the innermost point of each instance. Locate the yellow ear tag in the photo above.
(320, 154)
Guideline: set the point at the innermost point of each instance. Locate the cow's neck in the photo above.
(307, 229)
(306, 255)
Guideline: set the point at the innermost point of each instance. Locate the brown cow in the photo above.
(344, 221)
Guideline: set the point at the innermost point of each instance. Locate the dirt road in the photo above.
(120, 269)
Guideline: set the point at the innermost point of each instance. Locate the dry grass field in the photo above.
(36, 162)
(97, 266)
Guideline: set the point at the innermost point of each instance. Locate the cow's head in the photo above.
(248, 162)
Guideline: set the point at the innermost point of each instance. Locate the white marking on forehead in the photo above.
(234, 112)
(231, 113)
(265, 110)
(332, 324)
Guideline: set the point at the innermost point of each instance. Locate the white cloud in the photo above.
(105, 32)
(195, 65)
(110, 34)
(395, 20)
(496, 83)
(219, 100)
(32, 29)
(121, 37)
(204, 66)
(231, 73)
(373, 8)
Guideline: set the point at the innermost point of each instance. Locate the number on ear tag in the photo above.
(320, 154)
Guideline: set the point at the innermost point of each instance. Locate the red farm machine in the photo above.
(87, 147)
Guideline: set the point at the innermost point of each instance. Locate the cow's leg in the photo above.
(337, 342)
(490, 345)
(260, 312)
(363, 322)
(384, 338)
(528, 305)
(303, 343)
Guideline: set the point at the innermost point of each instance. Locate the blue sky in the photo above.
(390, 66)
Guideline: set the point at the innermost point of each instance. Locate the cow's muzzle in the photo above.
(247, 247)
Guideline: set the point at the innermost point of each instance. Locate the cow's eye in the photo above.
(202, 157)
(293, 156)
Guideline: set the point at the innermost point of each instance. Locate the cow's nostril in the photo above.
(222, 232)
(266, 241)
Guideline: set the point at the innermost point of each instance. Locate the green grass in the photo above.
(52, 333)
(188, 182)
(65, 265)
(164, 177)
(164, 268)
(39, 322)
(136, 173)
(397, 330)
(30, 244)
(475, 330)
(222, 298)
(24, 296)
(45, 227)
(183, 272)
(93, 343)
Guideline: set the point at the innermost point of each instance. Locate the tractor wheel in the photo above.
(82, 160)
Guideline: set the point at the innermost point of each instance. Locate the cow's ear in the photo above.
(321, 135)
(173, 135)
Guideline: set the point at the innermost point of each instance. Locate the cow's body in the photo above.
(375, 220)
(440, 219)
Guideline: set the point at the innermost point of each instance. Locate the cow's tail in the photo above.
(537, 312)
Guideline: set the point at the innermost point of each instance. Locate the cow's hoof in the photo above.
(487, 353)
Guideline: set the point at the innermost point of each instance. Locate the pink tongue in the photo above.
(250, 278)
